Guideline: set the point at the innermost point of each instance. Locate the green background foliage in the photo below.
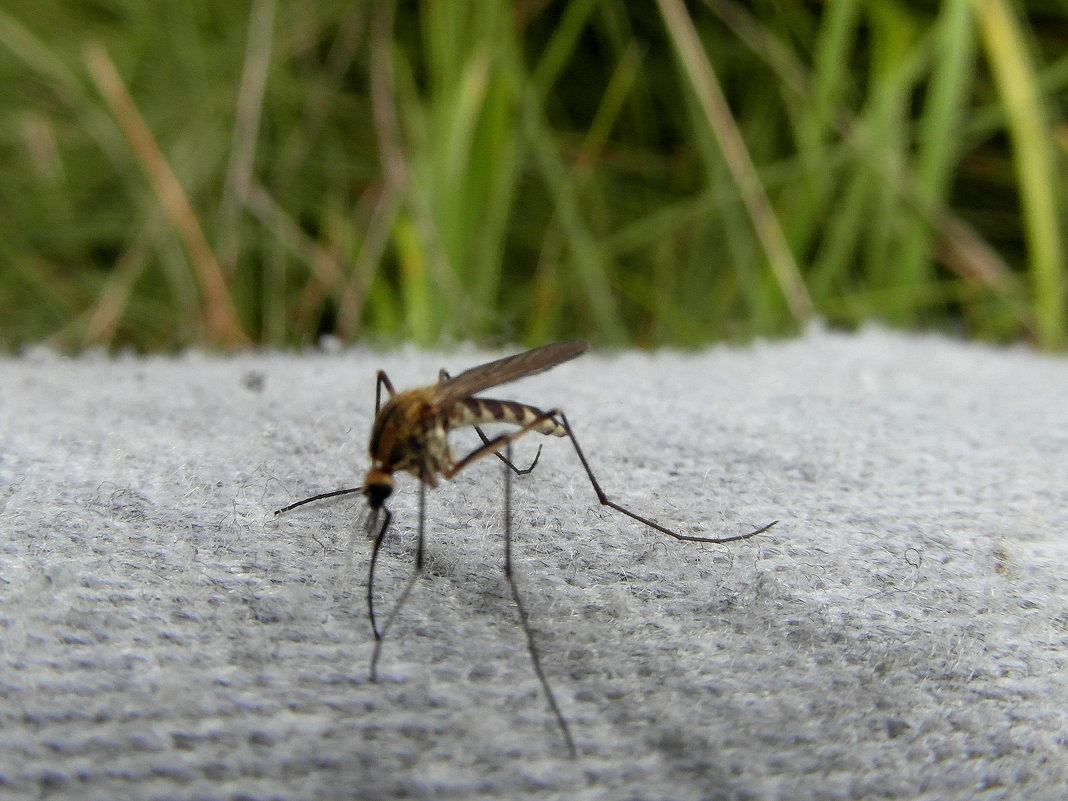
(645, 173)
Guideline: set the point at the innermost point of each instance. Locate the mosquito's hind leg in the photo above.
(561, 418)
(443, 375)
(523, 617)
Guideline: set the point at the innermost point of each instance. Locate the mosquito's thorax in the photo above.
(409, 434)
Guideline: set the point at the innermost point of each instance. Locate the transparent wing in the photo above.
(504, 370)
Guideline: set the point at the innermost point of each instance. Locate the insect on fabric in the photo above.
(410, 434)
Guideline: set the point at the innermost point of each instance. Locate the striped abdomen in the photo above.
(479, 411)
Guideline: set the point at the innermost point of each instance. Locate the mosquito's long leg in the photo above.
(375, 548)
(318, 497)
(419, 549)
(443, 375)
(497, 443)
(523, 618)
(383, 379)
(561, 418)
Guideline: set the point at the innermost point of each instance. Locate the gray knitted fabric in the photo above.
(901, 633)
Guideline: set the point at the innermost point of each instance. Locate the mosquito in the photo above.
(410, 434)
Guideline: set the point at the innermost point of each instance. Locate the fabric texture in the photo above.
(902, 633)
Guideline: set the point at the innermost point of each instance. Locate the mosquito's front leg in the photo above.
(416, 571)
(375, 548)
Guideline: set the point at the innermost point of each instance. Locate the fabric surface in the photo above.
(901, 633)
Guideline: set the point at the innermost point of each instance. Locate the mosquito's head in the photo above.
(377, 486)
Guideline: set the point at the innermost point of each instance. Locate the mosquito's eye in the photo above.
(377, 494)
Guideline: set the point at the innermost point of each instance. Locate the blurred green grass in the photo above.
(177, 174)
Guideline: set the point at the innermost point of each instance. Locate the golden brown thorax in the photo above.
(409, 433)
